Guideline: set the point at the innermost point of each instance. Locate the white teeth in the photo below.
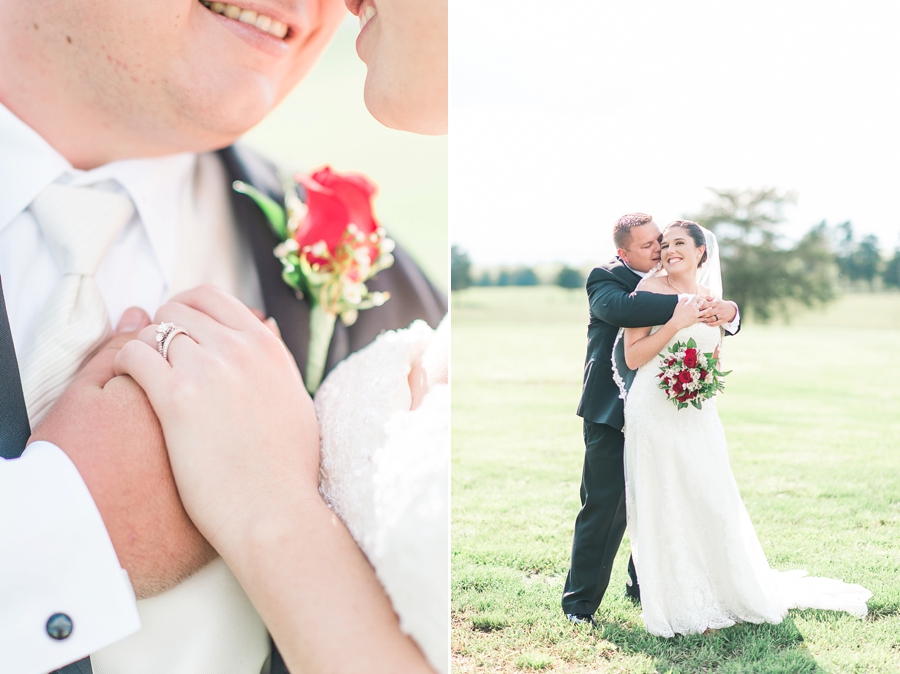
(365, 15)
(278, 29)
(265, 23)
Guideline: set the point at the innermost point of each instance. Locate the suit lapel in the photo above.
(14, 426)
(80, 667)
(627, 274)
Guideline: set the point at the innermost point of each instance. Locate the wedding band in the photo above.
(716, 316)
(165, 333)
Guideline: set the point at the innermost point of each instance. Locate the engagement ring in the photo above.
(165, 333)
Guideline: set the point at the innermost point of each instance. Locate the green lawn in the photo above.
(811, 415)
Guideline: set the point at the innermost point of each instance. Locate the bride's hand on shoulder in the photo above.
(237, 419)
(687, 312)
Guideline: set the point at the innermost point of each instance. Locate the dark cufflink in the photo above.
(59, 626)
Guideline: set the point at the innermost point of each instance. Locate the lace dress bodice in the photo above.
(385, 473)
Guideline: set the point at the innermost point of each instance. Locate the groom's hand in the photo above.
(715, 312)
(106, 426)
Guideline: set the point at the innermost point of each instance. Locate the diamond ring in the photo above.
(165, 333)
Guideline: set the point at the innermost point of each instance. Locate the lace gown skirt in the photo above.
(699, 562)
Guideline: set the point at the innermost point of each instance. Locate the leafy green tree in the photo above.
(569, 278)
(857, 260)
(760, 272)
(524, 276)
(867, 260)
(484, 280)
(891, 273)
(460, 266)
(503, 278)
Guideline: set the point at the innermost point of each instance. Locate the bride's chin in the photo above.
(406, 115)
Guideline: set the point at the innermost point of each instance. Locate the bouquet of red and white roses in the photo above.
(689, 376)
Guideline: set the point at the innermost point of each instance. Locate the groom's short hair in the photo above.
(622, 230)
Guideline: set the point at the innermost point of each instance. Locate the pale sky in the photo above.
(566, 115)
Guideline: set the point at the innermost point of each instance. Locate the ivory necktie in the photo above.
(79, 224)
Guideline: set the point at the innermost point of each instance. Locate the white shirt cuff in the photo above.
(735, 325)
(57, 558)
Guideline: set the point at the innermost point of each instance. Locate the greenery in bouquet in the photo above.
(689, 376)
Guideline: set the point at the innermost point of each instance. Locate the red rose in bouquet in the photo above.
(690, 358)
(689, 376)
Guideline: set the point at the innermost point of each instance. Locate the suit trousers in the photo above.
(600, 524)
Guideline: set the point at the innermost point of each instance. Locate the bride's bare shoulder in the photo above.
(654, 284)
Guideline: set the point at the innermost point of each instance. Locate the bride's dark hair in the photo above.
(693, 229)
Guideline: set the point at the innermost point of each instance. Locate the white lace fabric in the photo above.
(699, 562)
(385, 473)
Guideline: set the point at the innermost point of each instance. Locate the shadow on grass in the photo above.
(745, 648)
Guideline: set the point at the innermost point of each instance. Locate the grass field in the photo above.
(812, 415)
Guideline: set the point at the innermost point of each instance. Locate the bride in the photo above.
(699, 561)
(259, 489)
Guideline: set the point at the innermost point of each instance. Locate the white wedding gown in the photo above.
(385, 471)
(699, 563)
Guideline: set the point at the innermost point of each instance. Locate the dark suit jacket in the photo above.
(614, 305)
(412, 296)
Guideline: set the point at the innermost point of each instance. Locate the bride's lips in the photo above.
(267, 28)
(366, 11)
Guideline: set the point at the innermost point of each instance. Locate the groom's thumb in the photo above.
(101, 368)
(133, 320)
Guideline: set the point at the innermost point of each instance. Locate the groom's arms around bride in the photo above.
(614, 301)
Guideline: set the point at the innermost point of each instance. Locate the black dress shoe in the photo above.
(580, 618)
(633, 591)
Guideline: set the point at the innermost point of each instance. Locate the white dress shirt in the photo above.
(182, 234)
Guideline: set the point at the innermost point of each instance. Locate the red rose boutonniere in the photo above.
(330, 246)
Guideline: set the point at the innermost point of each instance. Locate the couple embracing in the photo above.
(169, 489)
(662, 469)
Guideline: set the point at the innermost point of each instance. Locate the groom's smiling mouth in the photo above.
(261, 21)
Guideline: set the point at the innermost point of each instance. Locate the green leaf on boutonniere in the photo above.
(271, 209)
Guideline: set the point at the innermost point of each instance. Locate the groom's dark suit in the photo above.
(412, 297)
(600, 524)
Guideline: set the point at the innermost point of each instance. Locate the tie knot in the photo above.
(80, 224)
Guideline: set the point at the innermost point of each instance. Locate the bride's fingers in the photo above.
(143, 364)
(219, 305)
(268, 322)
(199, 325)
(181, 347)
(273, 327)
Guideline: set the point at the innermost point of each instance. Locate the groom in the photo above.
(109, 115)
(600, 523)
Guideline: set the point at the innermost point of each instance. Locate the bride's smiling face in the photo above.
(404, 46)
(173, 74)
(679, 253)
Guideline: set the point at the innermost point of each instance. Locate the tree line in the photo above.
(762, 271)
